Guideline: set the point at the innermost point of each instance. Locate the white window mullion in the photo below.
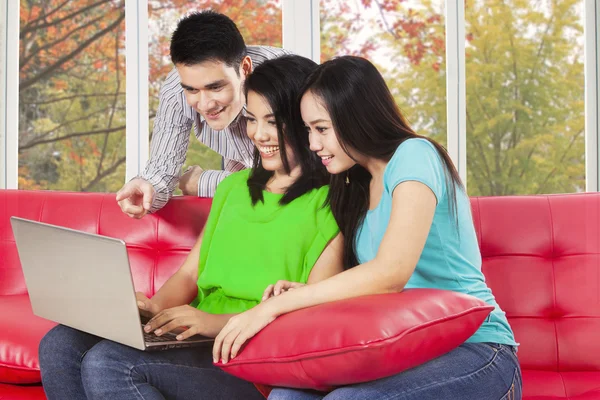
(592, 63)
(3, 82)
(301, 28)
(456, 85)
(136, 45)
(9, 94)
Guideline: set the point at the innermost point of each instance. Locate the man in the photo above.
(205, 90)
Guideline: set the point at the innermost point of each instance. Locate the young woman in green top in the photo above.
(266, 224)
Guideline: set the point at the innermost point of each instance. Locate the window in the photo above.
(405, 39)
(525, 82)
(72, 95)
(525, 97)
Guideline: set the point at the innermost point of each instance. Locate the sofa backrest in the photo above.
(541, 257)
(157, 244)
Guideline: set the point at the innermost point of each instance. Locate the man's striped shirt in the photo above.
(170, 138)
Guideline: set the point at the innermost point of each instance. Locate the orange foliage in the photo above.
(259, 22)
(60, 84)
(66, 34)
(27, 183)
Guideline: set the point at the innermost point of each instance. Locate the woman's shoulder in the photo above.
(235, 180)
(313, 200)
(322, 191)
(419, 145)
(416, 159)
(236, 177)
(415, 153)
(318, 194)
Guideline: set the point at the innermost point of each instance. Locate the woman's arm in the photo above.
(181, 288)
(170, 304)
(413, 208)
(330, 261)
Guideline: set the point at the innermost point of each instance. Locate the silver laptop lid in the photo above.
(80, 280)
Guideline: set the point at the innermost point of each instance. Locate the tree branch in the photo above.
(114, 104)
(490, 178)
(30, 28)
(71, 135)
(66, 123)
(43, 17)
(38, 50)
(75, 96)
(104, 174)
(562, 159)
(49, 70)
(542, 44)
(387, 27)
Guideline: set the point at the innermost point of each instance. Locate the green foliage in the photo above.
(525, 97)
(525, 83)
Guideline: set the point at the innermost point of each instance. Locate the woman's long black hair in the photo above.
(367, 120)
(279, 81)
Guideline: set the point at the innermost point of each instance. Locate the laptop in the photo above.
(83, 280)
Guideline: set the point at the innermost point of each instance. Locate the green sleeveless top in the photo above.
(245, 248)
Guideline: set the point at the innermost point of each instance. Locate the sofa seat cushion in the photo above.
(551, 385)
(19, 341)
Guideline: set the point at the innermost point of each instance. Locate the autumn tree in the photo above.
(71, 108)
(406, 41)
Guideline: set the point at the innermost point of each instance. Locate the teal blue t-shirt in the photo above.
(451, 259)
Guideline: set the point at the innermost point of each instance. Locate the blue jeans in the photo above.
(76, 365)
(473, 371)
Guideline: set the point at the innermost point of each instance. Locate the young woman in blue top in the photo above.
(399, 199)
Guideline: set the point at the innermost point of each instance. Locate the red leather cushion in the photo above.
(561, 385)
(359, 339)
(541, 258)
(20, 335)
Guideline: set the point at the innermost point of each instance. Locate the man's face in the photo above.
(215, 90)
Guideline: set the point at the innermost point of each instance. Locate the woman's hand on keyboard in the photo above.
(184, 321)
(147, 307)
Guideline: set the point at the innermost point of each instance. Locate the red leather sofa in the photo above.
(541, 258)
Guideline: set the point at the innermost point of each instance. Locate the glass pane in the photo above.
(72, 95)
(406, 40)
(525, 96)
(259, 21)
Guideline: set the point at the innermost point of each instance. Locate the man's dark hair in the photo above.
(207, 36)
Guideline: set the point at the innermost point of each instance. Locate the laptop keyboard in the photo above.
(150, 337)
